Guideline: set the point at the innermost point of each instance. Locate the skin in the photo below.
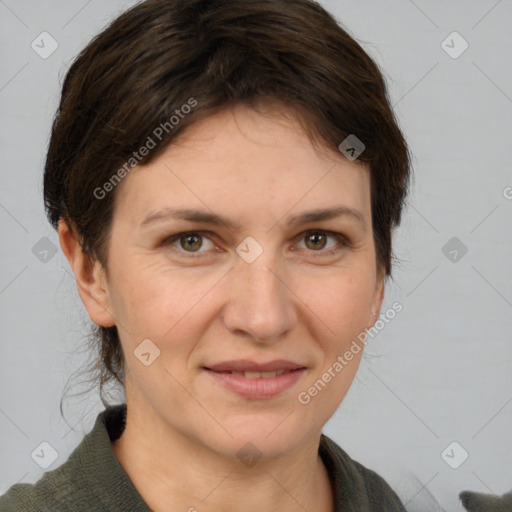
(293, 302)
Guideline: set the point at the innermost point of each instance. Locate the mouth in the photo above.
(258, 375)
(256, 380)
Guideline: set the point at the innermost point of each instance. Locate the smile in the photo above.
(258, 375)
(257, 385)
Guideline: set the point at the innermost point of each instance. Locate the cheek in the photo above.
(341, 302)
(154, 300)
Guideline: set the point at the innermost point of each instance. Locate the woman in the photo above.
(225, 177)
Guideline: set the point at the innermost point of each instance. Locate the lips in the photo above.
(254, 380)
(259, 375)
(246, 365)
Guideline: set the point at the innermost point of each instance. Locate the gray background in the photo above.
(439, 372)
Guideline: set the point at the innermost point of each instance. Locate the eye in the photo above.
(190, 242)
(318, 241)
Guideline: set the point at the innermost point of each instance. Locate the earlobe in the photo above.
(89, 276)
(378, 298)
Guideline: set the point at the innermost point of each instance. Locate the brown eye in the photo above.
(191, 241)
(323, 243)
(316, 240)
(192, 244)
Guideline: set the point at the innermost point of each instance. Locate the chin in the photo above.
(263, 435)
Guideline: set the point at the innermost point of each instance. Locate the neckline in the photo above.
(114, 419)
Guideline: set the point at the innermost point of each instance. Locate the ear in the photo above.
(90, 277)
(378, 296)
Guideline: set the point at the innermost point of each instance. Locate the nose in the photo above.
(261, 305)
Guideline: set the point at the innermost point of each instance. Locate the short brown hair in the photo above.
(152, 59)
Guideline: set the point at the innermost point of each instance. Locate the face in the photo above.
(264, 288)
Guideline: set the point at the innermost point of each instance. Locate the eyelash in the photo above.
(342, 239)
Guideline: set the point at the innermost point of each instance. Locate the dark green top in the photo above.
(93, 480)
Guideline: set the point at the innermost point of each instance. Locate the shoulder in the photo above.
(355, 486)
(90, 478)
(44, 496)
(478, 501)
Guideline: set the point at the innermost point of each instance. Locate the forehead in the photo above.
(241, 160)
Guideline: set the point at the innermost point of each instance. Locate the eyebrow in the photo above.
(204, 217)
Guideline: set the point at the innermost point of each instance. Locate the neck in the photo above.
(172, 471)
